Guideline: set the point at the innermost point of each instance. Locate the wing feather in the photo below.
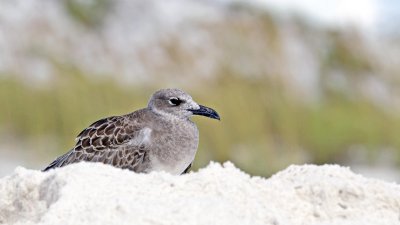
(114, 140)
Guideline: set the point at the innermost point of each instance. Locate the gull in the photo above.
(160, 137)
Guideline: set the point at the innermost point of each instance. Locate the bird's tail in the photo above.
(58, 162)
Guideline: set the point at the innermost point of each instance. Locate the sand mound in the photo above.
(89, 193)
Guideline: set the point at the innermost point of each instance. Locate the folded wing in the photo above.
(116, 140)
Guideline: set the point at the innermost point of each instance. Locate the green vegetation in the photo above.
(263, 128)
(88, 13)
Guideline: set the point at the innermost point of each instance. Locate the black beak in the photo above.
(205, 111)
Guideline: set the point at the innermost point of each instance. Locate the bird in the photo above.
(160, 137)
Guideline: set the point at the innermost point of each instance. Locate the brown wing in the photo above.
(106, 141)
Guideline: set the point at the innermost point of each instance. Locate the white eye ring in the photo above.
(174, 101)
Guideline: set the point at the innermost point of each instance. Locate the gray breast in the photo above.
(173, 145)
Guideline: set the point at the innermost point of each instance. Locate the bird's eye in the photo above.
(175, 101)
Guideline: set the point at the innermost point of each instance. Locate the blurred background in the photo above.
(295, 82)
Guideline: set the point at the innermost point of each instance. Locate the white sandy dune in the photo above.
(89, 193)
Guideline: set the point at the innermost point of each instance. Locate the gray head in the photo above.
(174, 102)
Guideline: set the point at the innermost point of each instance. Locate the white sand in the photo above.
(90, 193)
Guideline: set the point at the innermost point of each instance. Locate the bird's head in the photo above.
(177, 103)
